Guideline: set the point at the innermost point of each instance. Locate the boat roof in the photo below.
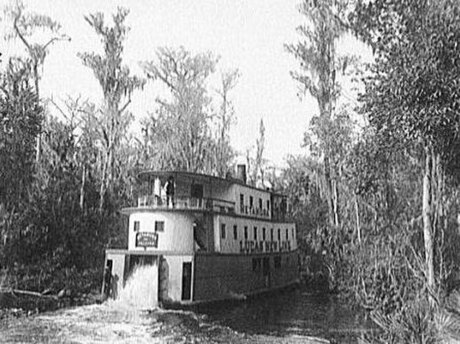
(204, 178)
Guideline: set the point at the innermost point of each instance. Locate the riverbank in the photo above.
(113, 323)
(16, 304)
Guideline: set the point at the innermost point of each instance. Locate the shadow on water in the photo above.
(293, 312)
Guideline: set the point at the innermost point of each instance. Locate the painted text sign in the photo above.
(147, 239)
(249, 246)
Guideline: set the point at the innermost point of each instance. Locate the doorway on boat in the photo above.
(186, 281)
(196, 193)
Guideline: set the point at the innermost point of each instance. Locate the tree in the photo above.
(20, 121)
(316, 52)
(117, 86)
(180, 129)
(256, 164)
(24, 25)
(81, 118)
(224, 154)
(412, 96)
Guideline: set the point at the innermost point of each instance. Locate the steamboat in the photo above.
(206, 239)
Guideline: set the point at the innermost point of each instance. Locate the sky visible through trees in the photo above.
(374, 193)
(252, 44)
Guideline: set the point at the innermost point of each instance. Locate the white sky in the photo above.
(246, 34)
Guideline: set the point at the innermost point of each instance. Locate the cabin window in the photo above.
(260, 203)
(137, 226)
(255, 233)
(222, 230)
(246, 232)
(292, 233)
(287, 235)
(251, 202)
(263, 233)
(256, 264)
(277, 262)
(268, 205)
(242, 203)
(279, 234)
(235, 232)
(159, 226)
(271, 234)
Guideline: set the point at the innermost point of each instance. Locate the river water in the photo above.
(296, 312)
(291, 316)
(294, 316)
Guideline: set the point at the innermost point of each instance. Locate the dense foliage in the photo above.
(395, 248)
(64, 180)
(375, 204)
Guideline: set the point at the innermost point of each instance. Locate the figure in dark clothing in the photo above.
(106, 291)
(170, 191)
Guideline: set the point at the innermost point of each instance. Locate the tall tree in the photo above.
(181, 131)
(225, 116)
(24, 26)
(20, 121)
(412, 98)
(117, 86)
(316, 52)
(256, 164)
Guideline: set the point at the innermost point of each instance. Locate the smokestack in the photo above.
(241, 172)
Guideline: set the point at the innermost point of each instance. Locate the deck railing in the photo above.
(259, 212)
(185, 202)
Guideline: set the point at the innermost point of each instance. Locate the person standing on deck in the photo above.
(157, 191)
(170, 191)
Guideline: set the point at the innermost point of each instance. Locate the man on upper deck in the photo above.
(170, 191)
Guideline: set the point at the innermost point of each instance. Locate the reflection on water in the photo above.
(293, 312)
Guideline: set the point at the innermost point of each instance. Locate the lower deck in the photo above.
(203, 277)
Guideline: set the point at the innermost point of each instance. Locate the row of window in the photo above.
(251, 203)
(159, 226)
(263, 264)
(223, 233)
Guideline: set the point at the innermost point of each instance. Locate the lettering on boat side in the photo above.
(147, 239)
(250, 246)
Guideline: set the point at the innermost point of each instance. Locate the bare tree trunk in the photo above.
(439, 220)
(358, 223)
(336, 203)
(329, 196)
(103, 188)
(427, 217)
(37, 91)
(82, 188)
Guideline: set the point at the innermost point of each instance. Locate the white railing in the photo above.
(187, 203)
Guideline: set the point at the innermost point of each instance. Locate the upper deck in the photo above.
(204, 193)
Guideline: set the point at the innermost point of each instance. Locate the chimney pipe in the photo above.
(241, 172)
